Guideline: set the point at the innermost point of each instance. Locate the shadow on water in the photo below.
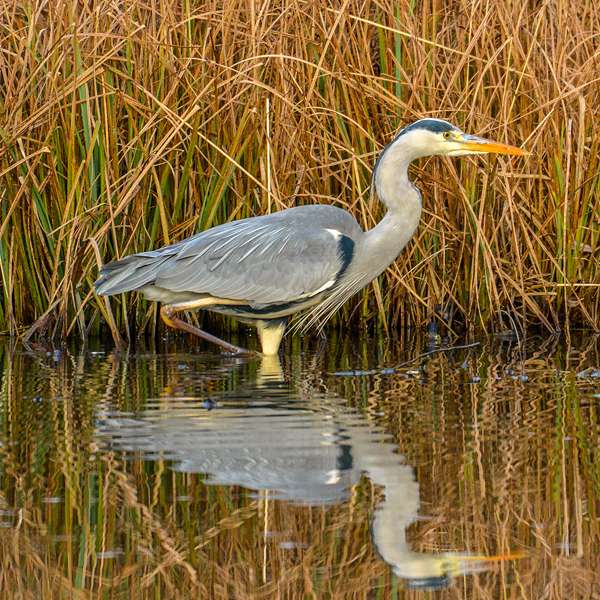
(179, 471)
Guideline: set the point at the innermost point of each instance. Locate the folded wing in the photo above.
(262, 260)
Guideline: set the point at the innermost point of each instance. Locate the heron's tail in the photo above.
(128, 274)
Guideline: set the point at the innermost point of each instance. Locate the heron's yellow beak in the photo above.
(495, 558)
(456, 564)
(472, 143)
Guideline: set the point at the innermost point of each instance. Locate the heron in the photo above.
(307, 259)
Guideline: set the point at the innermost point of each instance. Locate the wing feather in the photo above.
(266, 265)
(275, 258)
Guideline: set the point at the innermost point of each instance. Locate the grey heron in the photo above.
(263, 270)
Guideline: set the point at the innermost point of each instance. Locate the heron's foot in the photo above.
(168, 316)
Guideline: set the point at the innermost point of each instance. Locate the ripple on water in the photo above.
(335, 463)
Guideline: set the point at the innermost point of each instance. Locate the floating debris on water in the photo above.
(108, 554)
(52, 500)
(292, 545)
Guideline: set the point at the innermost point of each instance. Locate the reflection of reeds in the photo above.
(503, 467)
(128, 126)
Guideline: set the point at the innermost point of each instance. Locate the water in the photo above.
(183, 473)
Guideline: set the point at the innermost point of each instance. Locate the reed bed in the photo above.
(125, 126)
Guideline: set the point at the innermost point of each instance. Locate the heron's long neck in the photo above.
(384, 242)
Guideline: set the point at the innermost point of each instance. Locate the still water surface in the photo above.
(177, 473)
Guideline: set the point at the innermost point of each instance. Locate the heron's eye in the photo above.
(447, 135)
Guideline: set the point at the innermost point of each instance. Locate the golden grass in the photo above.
(125, 126)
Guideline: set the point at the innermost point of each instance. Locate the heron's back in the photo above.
(282, 257)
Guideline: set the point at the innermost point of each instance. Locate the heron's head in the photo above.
(428, 137)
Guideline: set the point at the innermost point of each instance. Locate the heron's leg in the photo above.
(167, 314)
(271, 333)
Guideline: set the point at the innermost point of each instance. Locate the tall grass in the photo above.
(125, 126)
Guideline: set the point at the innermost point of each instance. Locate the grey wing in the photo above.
(259, 261)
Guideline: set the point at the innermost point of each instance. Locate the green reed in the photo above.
(124, 128)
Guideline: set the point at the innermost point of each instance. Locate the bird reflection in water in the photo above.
(305, 446)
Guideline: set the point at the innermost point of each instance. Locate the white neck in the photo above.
(385, 241)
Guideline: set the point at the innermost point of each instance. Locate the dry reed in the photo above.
(125, 126)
